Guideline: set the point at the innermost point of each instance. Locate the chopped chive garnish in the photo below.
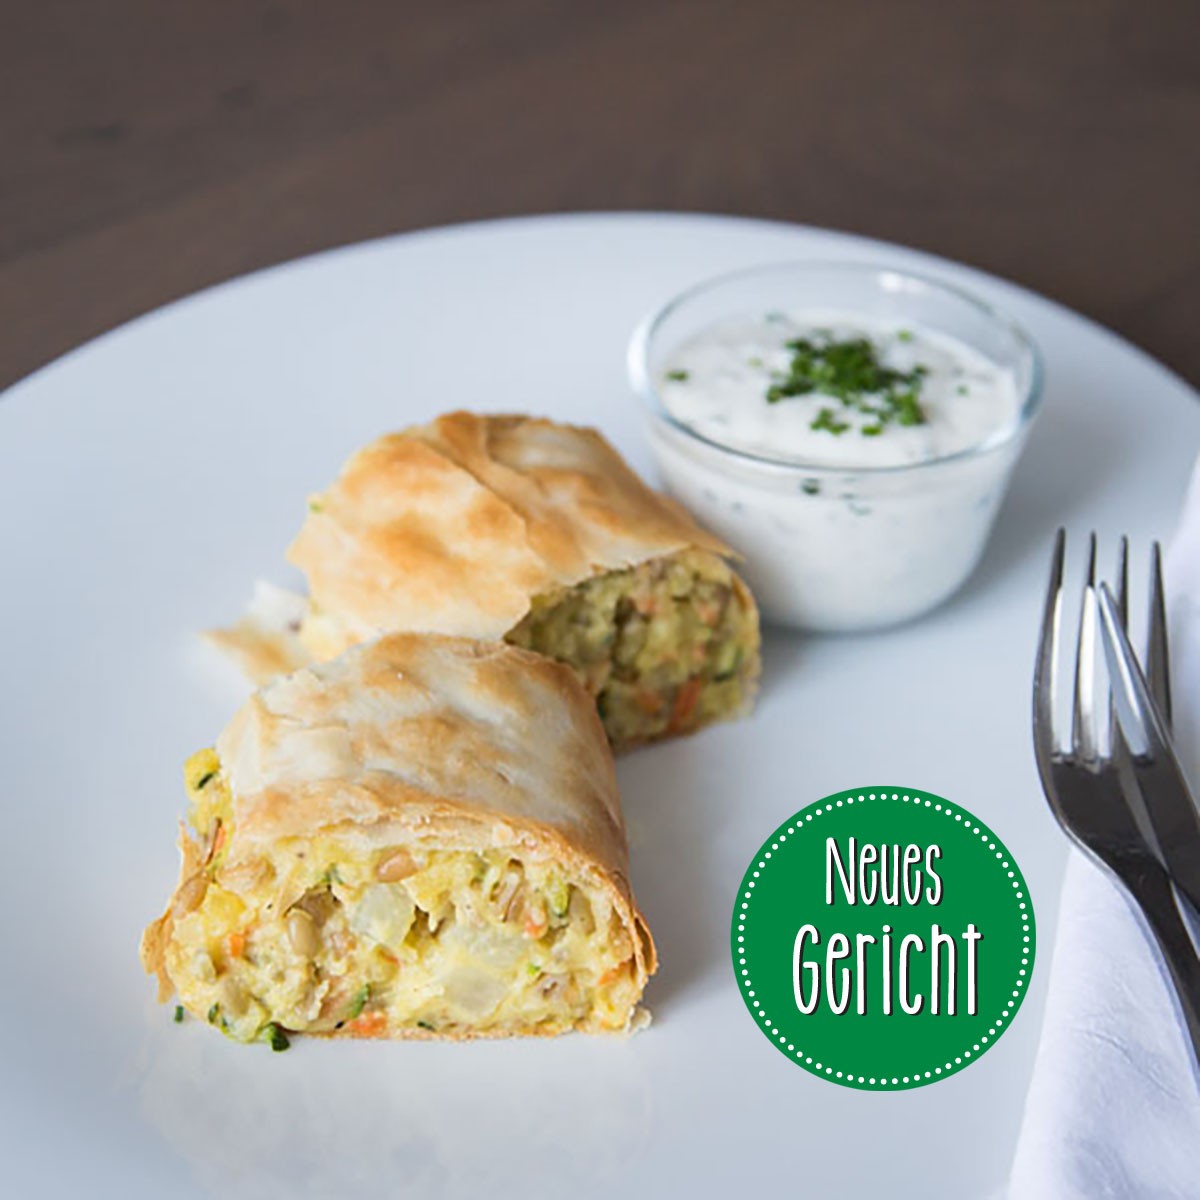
(826, 420)
(205, 780)
(178, 1017)
(904, 335)
(358, 1002)
(678, 376)
(850, 371)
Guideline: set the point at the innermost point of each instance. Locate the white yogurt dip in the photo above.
(718, 383)
(855, 506)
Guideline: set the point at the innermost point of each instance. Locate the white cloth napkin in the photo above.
(1113, 1109)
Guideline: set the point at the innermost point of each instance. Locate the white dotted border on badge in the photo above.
(916, 1077)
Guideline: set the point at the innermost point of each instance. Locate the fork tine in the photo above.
(1047, 652)
(1158, 671)
(1123, 581)
(1114, 732)
(1130, 693)
(1084, 742)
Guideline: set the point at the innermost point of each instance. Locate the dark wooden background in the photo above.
(151, 147)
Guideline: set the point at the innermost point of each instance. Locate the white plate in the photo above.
(149, 478)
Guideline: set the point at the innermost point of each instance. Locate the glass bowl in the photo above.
(840, 548)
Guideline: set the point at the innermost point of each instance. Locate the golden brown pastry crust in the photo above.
(466, 744)
(455, 526)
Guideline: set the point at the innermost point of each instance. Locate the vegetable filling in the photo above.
(665, 648)
(320, 939)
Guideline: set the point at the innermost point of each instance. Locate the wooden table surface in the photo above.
(152, 148)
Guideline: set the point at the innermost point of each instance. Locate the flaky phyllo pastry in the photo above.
(421, 838)
(509, 527)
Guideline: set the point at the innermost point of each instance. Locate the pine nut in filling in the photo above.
(395, 866)
(302, 933)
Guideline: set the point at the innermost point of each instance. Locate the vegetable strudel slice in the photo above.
(421, 838)
(539, 533)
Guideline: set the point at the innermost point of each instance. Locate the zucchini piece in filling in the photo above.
(666, 647)
(412, 924)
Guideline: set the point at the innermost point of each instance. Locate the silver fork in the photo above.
(1083, 782)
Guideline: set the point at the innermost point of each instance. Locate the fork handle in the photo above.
(1155, 899)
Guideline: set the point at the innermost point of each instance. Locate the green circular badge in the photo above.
(883, 938)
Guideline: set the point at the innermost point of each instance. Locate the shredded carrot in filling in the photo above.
(612, 974)
(685, 703)
(368, 1025)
